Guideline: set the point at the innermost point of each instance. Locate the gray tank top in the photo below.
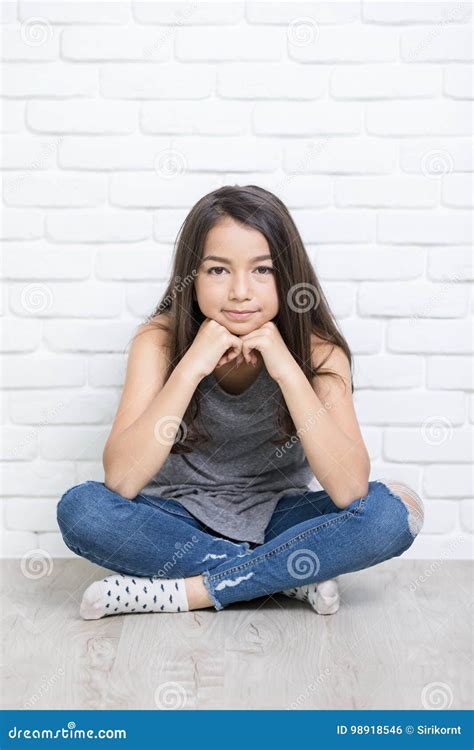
(233, 482)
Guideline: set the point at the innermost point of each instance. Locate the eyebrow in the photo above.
(229, 262)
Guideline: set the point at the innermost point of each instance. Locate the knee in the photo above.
(73, 512)
(413, 504)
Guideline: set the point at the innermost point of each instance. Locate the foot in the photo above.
(323, 596)
(120, 594)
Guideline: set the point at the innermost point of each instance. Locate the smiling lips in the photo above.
(239, 315)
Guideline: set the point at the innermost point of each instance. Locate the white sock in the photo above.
(120, 594)
(323, 596)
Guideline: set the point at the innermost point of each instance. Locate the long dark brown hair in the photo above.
(303, 308)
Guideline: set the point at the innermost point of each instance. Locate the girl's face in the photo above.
(240, 276)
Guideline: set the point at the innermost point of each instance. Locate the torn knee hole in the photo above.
(413, 503)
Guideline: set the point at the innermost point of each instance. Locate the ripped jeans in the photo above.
(308, 539)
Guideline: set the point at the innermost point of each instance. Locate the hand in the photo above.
(213, 343)
(269, 342)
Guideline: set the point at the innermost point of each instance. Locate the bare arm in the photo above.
(149, 416)
(327, 425)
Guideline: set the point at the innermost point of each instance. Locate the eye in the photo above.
(216, 268)
(265, 268)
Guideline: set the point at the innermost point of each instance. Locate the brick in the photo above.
(85, 336)
(345, 44)
(13, 120)
(150, 190)
(107, 370)
(183, 13)
(467, 515)
(99, 226)
(430, 336)
(435, 157)
(284, 13)
(42, 408)
(19, 224)
(28, 152)
(21, 336)
(110, 43)
(19, 444)
(419, 118)
(458, 82)
(424, 227)
(438, 44)
(43, 261)
(144, 81)
(232, 43)
(396, 82)
(196, 117)
(415, 12)
(436, 441)
(54, 190)
(35, 39)
(38, 478)
(449, 373)
(92, 116)
(135, 262)
(379, 192)
(389, 407)
(345, 262)
(78, 442)
(54, 79)
(335, 226)
(457, 190)
(16, 544)
(444, 481)
(450, 263)
(366, 336)
(142, 298)
(414, 300)
(305, 118)
(440, 517)
(31, 514)
(42, 372)
(8, 12)
(376, 371)
(341, 155)
(66, 300)
(271, 81)
(77, 12)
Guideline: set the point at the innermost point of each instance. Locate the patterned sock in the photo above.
(323, 596)
(120, 594)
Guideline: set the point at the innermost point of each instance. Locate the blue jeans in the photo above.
(308, 539)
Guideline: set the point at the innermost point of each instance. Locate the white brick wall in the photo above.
(357, 114)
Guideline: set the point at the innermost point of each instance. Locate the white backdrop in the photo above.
(118, 117)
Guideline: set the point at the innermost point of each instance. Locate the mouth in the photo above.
(239, 315)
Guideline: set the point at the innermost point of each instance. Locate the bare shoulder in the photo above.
(331, 357)
(155, 332)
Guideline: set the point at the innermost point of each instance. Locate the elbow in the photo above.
(356, 492)
(120, 488)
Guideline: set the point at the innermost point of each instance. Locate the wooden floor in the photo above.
(397, 642)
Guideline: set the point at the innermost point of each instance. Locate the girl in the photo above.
(238, 393)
